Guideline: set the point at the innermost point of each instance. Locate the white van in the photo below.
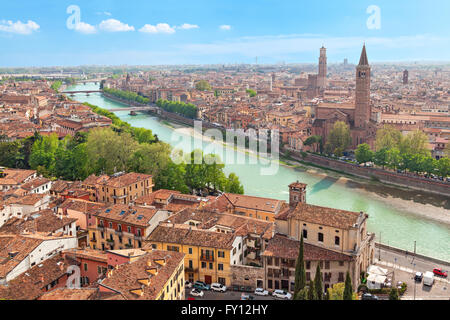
(218, 287)
(428, 278)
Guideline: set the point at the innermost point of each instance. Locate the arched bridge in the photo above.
(82, 91)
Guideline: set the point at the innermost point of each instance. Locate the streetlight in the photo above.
(414, 271)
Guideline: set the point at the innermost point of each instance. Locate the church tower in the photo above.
(297, 193)
(362, 101)
(322, 76)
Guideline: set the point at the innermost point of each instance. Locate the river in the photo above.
(397, 216)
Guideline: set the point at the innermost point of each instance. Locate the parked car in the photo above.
(418, 276)
(201, 285)
(428, 278)
(246, 296)
(282, 294)
(197, 293)
(369, 296)
(188, 284)
(246, 289)
(261, 292)
(218, 287)
(235, 288)
(440, 272)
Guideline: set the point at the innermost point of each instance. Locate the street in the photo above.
(404, 268)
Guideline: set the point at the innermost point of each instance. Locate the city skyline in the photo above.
(106, 33)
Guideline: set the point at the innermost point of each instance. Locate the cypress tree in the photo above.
(311, 291)
(300, 272)
(348, 291)
(393, 295)
(318, 283)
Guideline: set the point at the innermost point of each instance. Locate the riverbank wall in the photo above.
(411, 254)
(383, 176)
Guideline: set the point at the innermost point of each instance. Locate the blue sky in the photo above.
(138, 32)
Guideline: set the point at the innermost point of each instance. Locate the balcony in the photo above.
(119, 197)
(138, 238)
(190, 270)
(119, 233)
(208, 258)
(101, 228)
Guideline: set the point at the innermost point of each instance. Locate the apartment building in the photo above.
(122, 227)
(120, 188)
(208, 254)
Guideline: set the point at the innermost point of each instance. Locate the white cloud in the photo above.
(85, 28)
(159, 28)
(187, 26)
(225, 27)
(19, 27)
(113, 25)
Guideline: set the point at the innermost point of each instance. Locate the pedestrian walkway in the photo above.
(398, 267)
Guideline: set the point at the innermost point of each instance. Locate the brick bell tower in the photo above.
(297, 193)
(322, 75)
(362, 99)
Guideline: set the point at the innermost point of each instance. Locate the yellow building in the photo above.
(119, 188)
(208, 254)
(156, 275)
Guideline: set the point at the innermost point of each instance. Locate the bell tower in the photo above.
(297, 193)
(322, 76)
(362, 99)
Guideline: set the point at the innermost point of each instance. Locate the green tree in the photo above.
(348, 290)
(302, 294)
(315, 141)
(394, 158)
(363, 153)
(443, 167)
(109, 152)
(300, 271)
(414, 143)
(318, 283)
(233, 184)
(203, 85)
(252, 93)
(338, 139)
(311, 291)
(381, 158)
(393, 294)
(387, 138)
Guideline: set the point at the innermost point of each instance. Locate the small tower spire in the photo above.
(363, 61)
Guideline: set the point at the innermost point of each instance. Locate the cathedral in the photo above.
(357, 116)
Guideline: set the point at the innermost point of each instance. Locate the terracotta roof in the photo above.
(193, 237)
(13, 249)
(127, 279)
(86, 253)
(135, 215)
(29, 285)
(30, 185)
(16, 176)
(320, 215)
(282, 247)
(70, 294)
(41, 221)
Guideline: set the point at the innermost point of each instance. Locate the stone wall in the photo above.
(394, 178)
(246, 276)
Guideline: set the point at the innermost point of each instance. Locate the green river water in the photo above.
(398, 216)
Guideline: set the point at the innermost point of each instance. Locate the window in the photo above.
(211, 265)
(308, 276)
(110, 225)
(341, 277)
(305, 234)
(203, 265)
(190, 250)
(341, 263)
(220, 266)
(308, 265)
(327, 264)
(337, 240)
(221, 254)
(190, 264)
(269, 261)
(85, 267)
(129, 229)
(320, 237)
